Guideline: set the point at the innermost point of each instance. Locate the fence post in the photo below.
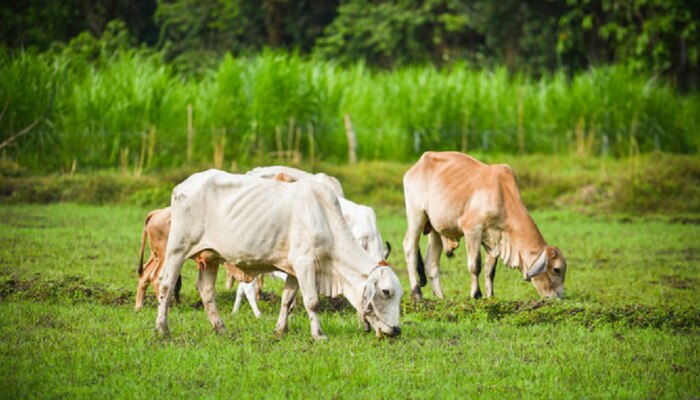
(190, 132)
(521, 128)
(352, 141)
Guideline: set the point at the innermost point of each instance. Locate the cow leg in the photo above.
(229, 280)
(168, 278)
(144, 281)
(291, 285)
(490, 273)
(433, 264)
(306, 275)
(416, 222)
(206, 285)
(472, 240)
(239, 297)
(474, 264)
(249, 290)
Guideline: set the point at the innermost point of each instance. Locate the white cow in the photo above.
(262, 226)
(361, 219)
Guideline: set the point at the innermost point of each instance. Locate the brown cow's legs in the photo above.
(474, 263)
(144, 280)
(291, 285)
(416, 221)
(490, 273)
(433, 263)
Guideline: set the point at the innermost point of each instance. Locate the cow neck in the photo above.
(521, 242)
(354, 265)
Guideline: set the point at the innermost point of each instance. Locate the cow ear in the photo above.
(538, 267)
(551, 252)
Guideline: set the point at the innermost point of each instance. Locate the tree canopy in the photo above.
(529, 36)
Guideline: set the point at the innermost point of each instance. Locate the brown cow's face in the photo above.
(381, 302)
(551, 283)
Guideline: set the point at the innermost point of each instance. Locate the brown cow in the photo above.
(451, 195)
(156, 228)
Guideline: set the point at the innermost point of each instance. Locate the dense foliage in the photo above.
(129, 109)
(109, 83)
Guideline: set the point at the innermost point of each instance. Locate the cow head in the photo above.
(381, 301)
(548, 272)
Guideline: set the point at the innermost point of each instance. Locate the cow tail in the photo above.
(143, 246)
(143, 240)
(421, 269)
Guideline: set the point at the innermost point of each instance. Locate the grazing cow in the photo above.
(156, 229)
(361, 219)
(261, 226)
(450, 195)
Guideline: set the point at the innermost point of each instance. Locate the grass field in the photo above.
(628, 328)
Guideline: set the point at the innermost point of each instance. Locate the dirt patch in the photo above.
(678, 282)
(685, 220)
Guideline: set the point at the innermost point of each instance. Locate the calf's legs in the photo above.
(144, 281)
(249, 290)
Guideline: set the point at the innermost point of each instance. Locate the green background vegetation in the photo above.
(110, 82)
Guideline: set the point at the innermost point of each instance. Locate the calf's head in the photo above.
(381, 301)
(547, 274)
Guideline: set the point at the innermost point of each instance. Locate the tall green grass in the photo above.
(131, 111)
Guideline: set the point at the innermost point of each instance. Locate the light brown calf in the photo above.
(156, 229)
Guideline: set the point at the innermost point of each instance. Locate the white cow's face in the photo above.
(381, 301)
(550, 283)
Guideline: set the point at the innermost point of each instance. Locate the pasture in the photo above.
(628, 328)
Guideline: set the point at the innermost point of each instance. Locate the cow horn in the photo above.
(387, 250)
(539, 266)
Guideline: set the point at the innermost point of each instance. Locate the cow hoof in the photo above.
(163, 333)
(416, 294)
(319, 338)
(476, 295)
(280, 332)
(220, 329)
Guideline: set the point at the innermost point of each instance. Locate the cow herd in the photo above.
(301, 227)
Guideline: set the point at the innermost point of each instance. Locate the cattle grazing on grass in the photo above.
(451, 195)
(263, 225)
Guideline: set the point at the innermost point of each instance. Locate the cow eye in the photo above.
(556, 270)
(386, 292)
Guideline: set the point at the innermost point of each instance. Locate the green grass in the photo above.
(628, 328)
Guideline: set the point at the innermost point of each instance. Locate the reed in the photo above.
(251, 108)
